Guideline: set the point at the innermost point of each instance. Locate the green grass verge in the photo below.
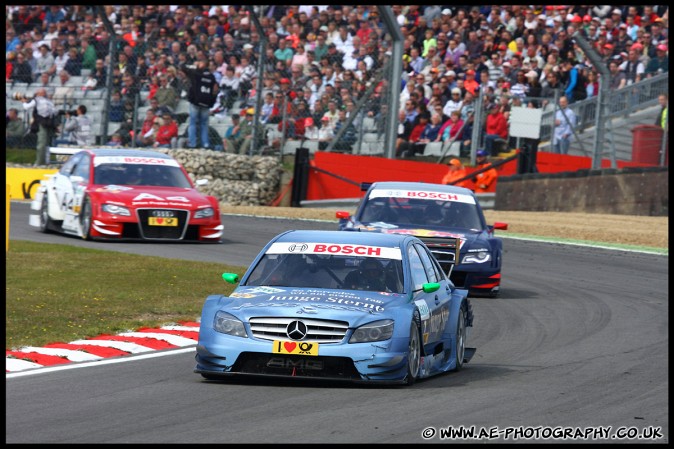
(61, 293)
(20, 155)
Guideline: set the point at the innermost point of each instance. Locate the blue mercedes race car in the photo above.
(358, 307)
(443, 216)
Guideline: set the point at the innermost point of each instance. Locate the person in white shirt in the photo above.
(43, 116)
(344, 41)
(565, 122)
(454, 103)
(59, 60)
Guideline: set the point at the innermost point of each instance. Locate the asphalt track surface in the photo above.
(577, 343)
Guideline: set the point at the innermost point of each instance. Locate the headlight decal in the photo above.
(228, 324)
(115, 210)
(204, 213)
(375, 331)
(479, 256)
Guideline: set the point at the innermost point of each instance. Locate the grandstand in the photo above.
(351, 61)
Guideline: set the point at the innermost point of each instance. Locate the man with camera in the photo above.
(78, 126)
(44, 114)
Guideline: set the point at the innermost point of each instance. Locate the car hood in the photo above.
(468, 238)
(149, 196)
(347, 305)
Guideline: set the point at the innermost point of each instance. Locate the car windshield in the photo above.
(328, 272)
(141, 175)
(421, 213)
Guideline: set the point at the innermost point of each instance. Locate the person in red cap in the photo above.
(660, 63)
(470, 83)
(455, 172)
(310, 130)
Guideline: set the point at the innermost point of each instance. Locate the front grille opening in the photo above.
(288, 365)
(162, 232)
(319, 331)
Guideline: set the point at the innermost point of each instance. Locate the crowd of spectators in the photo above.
(320, 60)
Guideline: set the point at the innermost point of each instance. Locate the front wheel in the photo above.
(85, 219)
(460, 338)
(45, 221)
(413, 354)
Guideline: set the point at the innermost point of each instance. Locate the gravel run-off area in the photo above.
(615, 229)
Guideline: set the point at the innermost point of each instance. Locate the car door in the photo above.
(434, 306)
(71, 184)
(79, 180)
(63, 188)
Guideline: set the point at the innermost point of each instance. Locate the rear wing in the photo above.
(445, 249)
(61, 151)
(62, 154)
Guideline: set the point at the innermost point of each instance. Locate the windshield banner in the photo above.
(422, 195)
(334, 249)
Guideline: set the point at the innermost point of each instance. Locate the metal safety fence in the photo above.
(332, 90)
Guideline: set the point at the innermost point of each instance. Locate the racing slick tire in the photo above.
(460, 337)
(85, 219)
(413, 351)
(46, 224)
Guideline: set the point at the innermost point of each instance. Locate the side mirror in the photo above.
(430, 287)
(343, 215)
(230, 278)
(76, 179)
(501, 226)
(201, 182)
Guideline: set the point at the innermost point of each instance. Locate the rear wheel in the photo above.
(460, 338)
(85, 219)
(45, 222)
(413, 354)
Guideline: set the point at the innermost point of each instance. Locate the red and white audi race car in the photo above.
(125, 194)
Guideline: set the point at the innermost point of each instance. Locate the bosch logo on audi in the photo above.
(296, 330)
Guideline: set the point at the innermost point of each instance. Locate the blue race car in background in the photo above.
(349, 306)
(443, 217)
